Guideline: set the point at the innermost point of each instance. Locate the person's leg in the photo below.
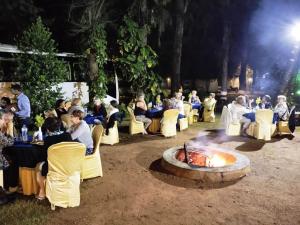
(142, 119)
(41, 178)
(147, 122)
(246, 123)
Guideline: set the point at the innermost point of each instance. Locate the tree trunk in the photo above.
(226, 48)
(181, 7)
(244, 63)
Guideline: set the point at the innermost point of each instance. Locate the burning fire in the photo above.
(215, 161)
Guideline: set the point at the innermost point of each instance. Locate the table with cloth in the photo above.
(93, 119)
(197, 106)
(251, 116)
(23, 158)
(155, 114)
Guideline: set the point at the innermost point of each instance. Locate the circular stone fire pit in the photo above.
(236, 166)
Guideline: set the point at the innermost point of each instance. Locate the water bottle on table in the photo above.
(24, 132)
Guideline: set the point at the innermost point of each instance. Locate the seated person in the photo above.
(5, 103)
(113, 116)
(140, 112)
(178, 104)
(60, 107)
(281, 108)
(53, 136)
(50, 113)
(8, 126)
(193, 98)
(75, 105)
(80, 131)
(238, 110)
(209, 105)
(158, 103)
(167, 104)
(265, 103)
(99, 108)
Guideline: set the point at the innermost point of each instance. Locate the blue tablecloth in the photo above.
(196, 106)
(90, 119)
(25, 154)
(251, 116)
(154, 113)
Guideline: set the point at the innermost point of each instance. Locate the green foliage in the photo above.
(97, 41)
(136, 59)
(39, 120)
(39, 67)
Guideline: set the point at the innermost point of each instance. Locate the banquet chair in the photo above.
(113, 136)
(263, 127)
(283, 126)
(135, 127)
(231, 128)
(168, 123)
(188, 111)
(66, 119)
(65, 161)
(209, 115)
(183, 123)
(1, 178)
(92, 166)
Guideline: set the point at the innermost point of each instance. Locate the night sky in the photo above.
(263, 23)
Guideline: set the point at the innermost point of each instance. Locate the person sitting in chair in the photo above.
(113, 116)
(140, 112)
(209, 105)
(53, 136)
(281, 108)
(193, 98)
(265, 102)
(81, 132)
(158, 103)
(60, 107)
(75, 105)
(99, 108)
(237, 110)
(178, 104)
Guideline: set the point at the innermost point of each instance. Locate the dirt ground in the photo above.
(135, 191)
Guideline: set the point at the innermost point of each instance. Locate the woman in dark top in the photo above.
(60, 107)
(99, 108)
(54, 136)
(140, 112)
(113, 116)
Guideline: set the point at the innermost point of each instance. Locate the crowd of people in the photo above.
(14, 116)
(243, 105)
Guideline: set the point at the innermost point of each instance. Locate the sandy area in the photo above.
(135, 190)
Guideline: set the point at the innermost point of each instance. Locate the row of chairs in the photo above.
(263, 127)
(63, 179)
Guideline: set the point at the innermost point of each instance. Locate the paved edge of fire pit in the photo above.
(208, 175)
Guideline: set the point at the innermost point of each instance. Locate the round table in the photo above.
(92, 119)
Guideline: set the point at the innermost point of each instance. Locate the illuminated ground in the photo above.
(134, 191)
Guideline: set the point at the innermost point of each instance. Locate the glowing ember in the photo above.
(215, 161)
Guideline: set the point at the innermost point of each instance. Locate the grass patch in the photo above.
(24, 212)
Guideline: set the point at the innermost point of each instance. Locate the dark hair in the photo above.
(52, 124)
(16, 87)
(6, 99)
(78, 113)
(58, 102)
(114, 103)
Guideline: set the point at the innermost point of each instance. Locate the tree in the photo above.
(136, 59)
(180, 8)
(97, 58)
(226, 44)
(39, 68)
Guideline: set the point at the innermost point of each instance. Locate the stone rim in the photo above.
(207, 174)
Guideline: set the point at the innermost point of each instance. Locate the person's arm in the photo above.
(24, 108)
(6, 140)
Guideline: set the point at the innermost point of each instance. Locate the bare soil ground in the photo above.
(136, 191)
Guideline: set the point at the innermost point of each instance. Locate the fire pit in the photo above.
(208, 164)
